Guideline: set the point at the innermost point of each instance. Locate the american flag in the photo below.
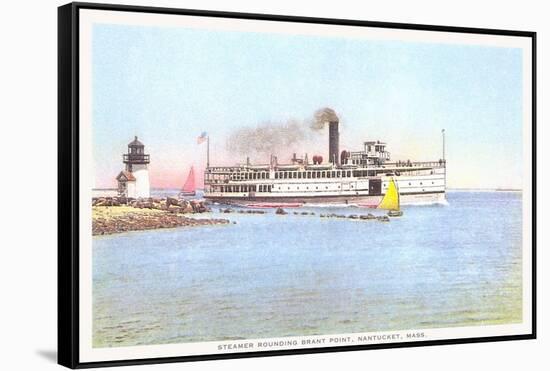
(202, 138)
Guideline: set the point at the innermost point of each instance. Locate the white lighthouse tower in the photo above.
(133, 182)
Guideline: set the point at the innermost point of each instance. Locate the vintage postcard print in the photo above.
(252, 186)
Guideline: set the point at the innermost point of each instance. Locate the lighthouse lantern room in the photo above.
(133, 181)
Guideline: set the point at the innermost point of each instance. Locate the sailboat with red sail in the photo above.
(189, 186)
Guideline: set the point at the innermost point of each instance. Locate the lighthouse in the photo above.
(133, 181)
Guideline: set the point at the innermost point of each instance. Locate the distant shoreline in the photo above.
(483, 190)
(448, 189)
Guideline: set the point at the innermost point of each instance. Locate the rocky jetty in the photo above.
(171, 204)
(369, 216)
(303, 213)
(280, 211)
(119, 214)
(251, 212)
(241, 211)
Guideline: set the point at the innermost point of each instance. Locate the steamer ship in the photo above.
(359, 178)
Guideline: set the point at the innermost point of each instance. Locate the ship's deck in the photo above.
(399, 165)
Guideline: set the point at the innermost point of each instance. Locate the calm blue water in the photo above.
(271, 275)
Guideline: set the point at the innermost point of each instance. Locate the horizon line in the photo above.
(448, 189)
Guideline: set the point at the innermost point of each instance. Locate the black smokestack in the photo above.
(321, 117)
(333, 142)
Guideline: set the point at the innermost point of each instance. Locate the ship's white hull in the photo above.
(413, 189)
(358, 200)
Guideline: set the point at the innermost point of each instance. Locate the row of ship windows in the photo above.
(264, 188)
(268, 187)
(307, 188)
(304, 174)
(245, 188)
(307, 174)
(322, 174)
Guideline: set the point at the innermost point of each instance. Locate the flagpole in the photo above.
(208, 151)
(444, 161)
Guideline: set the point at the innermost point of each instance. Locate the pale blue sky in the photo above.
(167, 85)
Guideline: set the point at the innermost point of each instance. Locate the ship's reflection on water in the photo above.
(283, 275)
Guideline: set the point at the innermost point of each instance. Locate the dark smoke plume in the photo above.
(267, 138)
(323, 116)
(279, 138)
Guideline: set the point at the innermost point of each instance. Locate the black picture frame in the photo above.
(68, 180)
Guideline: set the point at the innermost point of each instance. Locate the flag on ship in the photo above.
(202, 138)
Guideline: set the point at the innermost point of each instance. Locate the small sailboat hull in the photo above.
(395, 213)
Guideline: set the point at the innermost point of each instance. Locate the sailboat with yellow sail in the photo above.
(390, 201)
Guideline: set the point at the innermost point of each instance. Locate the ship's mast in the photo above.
(443, 136)
(444, 161)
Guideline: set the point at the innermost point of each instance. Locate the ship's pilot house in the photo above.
(374, 154)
